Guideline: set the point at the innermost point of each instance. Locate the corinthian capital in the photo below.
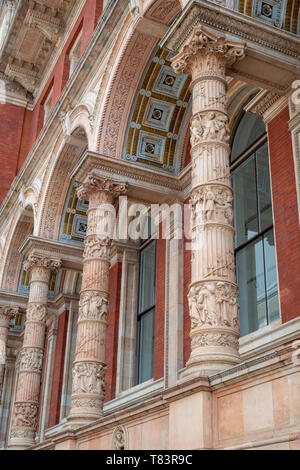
(205, 45)
(40, 261)
(94, 183)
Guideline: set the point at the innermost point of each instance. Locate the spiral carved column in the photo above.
(89, 368)
(213, 291)
(31, 355)
(6, 314)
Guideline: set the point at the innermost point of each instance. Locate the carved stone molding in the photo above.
(49, 25)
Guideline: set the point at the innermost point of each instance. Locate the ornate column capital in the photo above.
(206, 44)
(95, 183)
(6, 313)
(41, 261)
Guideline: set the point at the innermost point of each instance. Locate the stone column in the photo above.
(213, 291)
(89, 368)
(6, 314)
(31, 355)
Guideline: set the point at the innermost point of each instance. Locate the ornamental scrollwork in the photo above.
(209, 126)
(214, 304)
(88, 378)
(207, 339)
(93, 306)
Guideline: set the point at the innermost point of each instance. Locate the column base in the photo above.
(21, 439)
(209, 364)
(84, 410)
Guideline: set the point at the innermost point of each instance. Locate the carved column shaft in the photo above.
(89, 368)
(213, 291)
(31, 355)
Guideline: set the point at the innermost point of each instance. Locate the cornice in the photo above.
(148, 183)
(267, 48)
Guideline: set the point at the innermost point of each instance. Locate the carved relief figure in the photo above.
(93, 306)
(25, 415)
(89, 378)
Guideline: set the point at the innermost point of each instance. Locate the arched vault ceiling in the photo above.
(157, 115)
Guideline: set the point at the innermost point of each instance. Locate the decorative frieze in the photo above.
(89, 378)
(93, 306)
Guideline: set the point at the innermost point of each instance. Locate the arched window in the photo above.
(253, 220)
(146, 303)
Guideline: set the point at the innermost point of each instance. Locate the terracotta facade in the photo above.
(116, 114)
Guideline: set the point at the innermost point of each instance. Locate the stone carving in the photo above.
(214, 304)
(119, 438)
(88, 378)
(96, 183)
(36, 312)
(212, 204)
(206, 43)
(93, 306)
(86, 402)
(209, 126)
(207, 339)
(97, 247)
(22, 434)
(25, 415)
(31, 360)
(34, 260)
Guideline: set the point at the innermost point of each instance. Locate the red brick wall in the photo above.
(11, 129)
(20, 128)
(159, 332)
(58, 369)
(111, 349)
(285, 215)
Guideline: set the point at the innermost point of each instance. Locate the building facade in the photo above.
(149, 224)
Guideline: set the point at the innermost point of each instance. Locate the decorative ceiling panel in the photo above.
(157, 114)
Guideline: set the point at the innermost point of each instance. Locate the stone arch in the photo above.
(130, 54)
(20, 228)
(57, 181)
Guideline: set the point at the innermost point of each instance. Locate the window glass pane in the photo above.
(146, 346)
(251, 281)
(271, 276)
(264, 187)
(245, 203)
(250, 128)
(147, 277)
